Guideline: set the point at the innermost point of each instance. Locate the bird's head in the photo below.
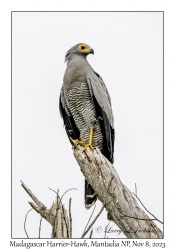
(79, 49)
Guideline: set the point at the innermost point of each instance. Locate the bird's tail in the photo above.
(90, 196)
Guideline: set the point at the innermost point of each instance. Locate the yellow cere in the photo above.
(84, 48)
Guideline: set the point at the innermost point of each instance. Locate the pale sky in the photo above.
(129, 57)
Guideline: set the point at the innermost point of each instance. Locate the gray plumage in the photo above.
(78, 71)
(84, 104)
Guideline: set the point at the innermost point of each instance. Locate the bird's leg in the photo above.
(82, 143)
(90, 140)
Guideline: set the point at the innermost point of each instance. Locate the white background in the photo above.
(129, 56)
(5, 103)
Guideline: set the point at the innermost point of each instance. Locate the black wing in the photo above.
(70, 127)
(107, 131)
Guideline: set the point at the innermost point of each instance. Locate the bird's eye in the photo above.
(82, 47)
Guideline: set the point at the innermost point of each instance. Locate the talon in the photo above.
(88, 145)
(82, 143)
(76, 142)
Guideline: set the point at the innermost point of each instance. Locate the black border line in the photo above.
(11, 124)
(163, 129)
(86, 11)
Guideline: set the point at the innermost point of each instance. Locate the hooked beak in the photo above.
(91, 51)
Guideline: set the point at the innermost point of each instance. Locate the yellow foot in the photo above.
(88, 145)
(80, 142)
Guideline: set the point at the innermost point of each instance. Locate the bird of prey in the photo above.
(85, 107)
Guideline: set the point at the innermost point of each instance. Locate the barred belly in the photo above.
(81, 106)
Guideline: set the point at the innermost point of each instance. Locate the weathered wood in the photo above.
(56, 215)
(117, 198)
(70, 218)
